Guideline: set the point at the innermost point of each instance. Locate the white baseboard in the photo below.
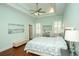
(6, 48)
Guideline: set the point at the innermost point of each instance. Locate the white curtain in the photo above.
(38, 30)
(57, 27)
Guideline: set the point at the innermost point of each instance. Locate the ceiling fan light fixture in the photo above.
(36, 14)
(51, 10)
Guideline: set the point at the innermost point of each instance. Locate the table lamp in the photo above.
(72, 36)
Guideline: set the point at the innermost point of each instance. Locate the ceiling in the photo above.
(27, 7)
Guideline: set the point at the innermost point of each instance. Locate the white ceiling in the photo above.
(27, 7)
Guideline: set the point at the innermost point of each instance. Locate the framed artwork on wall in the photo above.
(15, 28)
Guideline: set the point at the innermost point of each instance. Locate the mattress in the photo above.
(48, 45)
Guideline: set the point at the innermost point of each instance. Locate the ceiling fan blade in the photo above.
(42, 12)
(39, 9)
(33, 12)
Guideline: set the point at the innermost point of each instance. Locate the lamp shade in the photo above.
(72, 35)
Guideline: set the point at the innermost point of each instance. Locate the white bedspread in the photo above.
(49, 45)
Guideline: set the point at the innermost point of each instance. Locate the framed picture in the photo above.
(15, 28)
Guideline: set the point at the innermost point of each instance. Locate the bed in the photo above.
(44, 46)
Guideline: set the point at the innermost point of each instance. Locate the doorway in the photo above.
(30, 32)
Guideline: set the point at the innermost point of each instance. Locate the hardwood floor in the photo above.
(19, 51)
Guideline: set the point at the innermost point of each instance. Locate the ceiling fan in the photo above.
(38, 11)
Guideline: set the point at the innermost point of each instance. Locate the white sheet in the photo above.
(50, 45)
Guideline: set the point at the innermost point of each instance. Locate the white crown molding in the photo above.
(19, 8)
(22, 9)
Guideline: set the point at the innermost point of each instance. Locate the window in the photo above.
(57, 26)
(38, 28)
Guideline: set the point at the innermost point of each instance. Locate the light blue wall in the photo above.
(11, 15)
(71, 15)
(71, 18)
(48, 20)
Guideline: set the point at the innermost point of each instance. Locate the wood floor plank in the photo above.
(19, 51)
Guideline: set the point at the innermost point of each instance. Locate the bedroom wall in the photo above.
(48, 20)
(13, 16)
(71, 15)
(71, 18)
